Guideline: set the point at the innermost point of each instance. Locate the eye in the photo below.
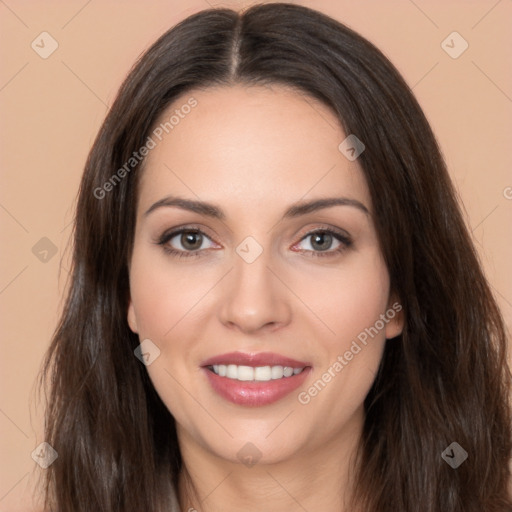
(324, 242)
(185, 242)
(191, 242)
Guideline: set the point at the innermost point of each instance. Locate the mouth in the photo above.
(254, 379)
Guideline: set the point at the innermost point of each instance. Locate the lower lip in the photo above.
(254, 393)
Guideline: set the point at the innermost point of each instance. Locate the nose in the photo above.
(253, 298)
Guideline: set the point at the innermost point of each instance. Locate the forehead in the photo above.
(252, 144)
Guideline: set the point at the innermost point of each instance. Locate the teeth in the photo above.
(277, 372)
(245, 373)
(259, 373)
(287, 371)
(232, 371)
(262, 373)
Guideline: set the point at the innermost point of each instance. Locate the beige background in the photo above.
(52, 108)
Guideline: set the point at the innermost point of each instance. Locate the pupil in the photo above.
(324, 241)
(191, 240)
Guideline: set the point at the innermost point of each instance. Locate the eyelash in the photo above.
(343, 238)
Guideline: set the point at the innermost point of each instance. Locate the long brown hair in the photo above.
(444, 380)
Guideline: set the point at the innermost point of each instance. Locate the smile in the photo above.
(254, 380)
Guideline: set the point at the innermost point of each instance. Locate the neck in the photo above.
(319, 478)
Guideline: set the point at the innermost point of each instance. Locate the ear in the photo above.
(395, 316)
(132, 319)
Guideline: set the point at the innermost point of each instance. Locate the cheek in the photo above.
(350, 303)
(167, 300)
(348, 299)
(163, 294)
(360, 299)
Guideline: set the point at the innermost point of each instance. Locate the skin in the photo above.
(253, 152)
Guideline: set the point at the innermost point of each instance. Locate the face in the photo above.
(269, 307)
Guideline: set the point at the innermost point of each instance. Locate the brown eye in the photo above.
(324, 242)
(191, 240)
(185, 242)
(321, 241)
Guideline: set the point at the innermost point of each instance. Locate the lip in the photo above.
(255, 359)
(254, 393)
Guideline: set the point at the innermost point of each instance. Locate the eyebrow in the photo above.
(295, 210)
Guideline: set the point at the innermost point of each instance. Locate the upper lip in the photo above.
(255, 359)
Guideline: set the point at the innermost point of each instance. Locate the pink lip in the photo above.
(252, 393)
(255, 359)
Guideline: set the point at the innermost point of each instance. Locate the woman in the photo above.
(275, 303)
